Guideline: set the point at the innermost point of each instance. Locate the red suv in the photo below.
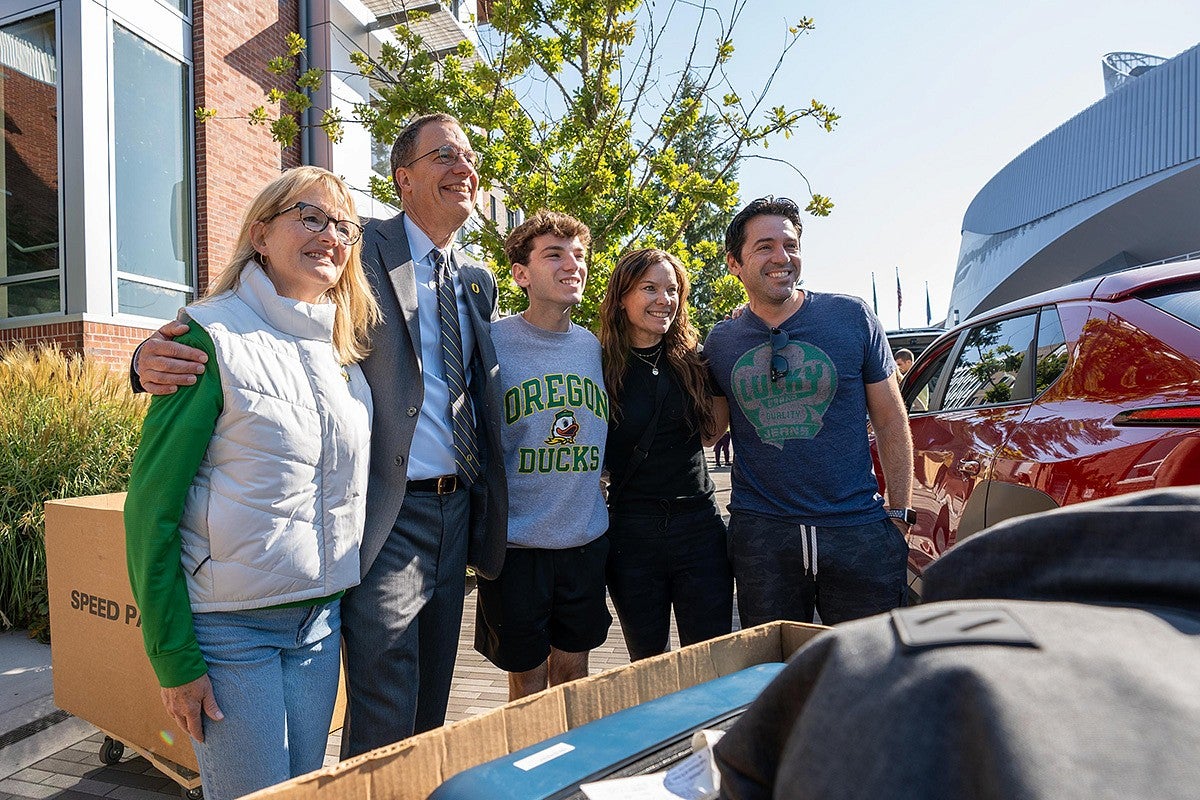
(1087, 391)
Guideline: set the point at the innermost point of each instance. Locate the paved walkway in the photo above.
(45, 753)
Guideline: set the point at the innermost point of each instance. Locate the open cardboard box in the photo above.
(101, 673)
(411, 769)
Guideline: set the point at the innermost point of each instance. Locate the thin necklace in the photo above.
(652, 363)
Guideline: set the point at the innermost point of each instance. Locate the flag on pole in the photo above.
(899, 298)
(874, 296)
(928, 308)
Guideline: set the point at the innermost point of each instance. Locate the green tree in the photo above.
(714, 291)
(593, 108)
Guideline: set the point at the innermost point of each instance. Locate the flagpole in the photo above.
(874, 296)
(928, 308)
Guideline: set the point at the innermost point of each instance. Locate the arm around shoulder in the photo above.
(164, 362)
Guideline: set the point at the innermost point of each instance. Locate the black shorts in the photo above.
(543, 599)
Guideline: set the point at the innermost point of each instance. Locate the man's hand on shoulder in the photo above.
(163, 365)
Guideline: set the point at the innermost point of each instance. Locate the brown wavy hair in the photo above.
(679, 344)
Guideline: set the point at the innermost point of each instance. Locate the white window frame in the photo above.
(17, 15)
(167, 32)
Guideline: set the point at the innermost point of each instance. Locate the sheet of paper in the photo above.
(694, 778)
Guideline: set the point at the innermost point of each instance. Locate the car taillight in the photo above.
(1175, 416)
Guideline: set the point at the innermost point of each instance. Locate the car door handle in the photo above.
(968, 467)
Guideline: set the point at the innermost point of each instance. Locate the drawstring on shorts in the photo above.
(808, 546)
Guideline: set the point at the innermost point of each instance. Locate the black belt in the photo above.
(443, 484)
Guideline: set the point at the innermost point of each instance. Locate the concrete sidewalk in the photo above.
(47, 753)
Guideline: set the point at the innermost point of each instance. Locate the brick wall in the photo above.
(107, 343)
(31, 166)
(232, 41)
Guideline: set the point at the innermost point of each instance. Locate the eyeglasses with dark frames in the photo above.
(448, 154)
(779, 363)
(315, 219)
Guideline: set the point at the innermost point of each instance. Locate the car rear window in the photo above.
(1178, 301)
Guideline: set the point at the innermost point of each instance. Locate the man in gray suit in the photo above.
(428, 514)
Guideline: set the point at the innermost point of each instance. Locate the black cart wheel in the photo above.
(111, 751)
(192, 794)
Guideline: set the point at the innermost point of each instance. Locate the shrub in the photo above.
(68, 428)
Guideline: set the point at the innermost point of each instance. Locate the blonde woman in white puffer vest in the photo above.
(245, 507)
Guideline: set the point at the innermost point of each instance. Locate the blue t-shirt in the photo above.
(801, 442)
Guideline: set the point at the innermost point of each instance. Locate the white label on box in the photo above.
(542, 756)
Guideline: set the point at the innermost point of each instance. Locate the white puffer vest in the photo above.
(275, 514)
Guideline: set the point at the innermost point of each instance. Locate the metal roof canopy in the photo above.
(441, 30)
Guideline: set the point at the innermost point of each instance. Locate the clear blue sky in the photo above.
(935, 98)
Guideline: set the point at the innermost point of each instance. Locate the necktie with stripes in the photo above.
(466, 449)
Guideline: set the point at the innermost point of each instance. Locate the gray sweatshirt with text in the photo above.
(555, 423)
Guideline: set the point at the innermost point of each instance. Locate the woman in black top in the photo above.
(667, 539)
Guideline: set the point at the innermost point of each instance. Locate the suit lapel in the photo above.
(396, 257)
(479, 304)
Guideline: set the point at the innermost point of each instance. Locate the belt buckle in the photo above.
(447, 484)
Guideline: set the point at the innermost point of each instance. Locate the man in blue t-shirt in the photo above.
(801, 373)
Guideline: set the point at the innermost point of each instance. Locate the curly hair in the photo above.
(679, 343)
(519, 243)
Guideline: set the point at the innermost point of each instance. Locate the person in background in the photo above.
(246, 502)
(904, 362)
(723, 448)
(667, 538)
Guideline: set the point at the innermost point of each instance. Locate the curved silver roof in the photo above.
(1148, 125)
(1115, 186)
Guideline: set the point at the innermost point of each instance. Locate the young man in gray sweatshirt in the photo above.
(546, 611)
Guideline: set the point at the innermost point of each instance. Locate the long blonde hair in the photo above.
(679, 343)
(356, 308)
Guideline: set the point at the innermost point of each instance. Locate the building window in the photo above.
(492, 198)
(184, 7)
(381, 158)
(152, 157)
(29, 205)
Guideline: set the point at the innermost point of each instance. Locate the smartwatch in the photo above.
(905, 515)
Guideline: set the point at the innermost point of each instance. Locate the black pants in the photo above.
(663, 558)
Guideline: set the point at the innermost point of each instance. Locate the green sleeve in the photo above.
(175, 436)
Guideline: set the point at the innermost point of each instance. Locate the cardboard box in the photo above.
(101, 673)
(411, 769)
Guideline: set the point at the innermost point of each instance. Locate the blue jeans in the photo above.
(662, 559)
(275, 677)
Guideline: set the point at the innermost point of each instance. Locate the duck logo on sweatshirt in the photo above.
(564, 429)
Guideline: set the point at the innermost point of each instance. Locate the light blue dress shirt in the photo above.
(432, 452)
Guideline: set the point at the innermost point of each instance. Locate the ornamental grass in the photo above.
(69, 427)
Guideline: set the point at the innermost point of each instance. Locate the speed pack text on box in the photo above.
(104, 608)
